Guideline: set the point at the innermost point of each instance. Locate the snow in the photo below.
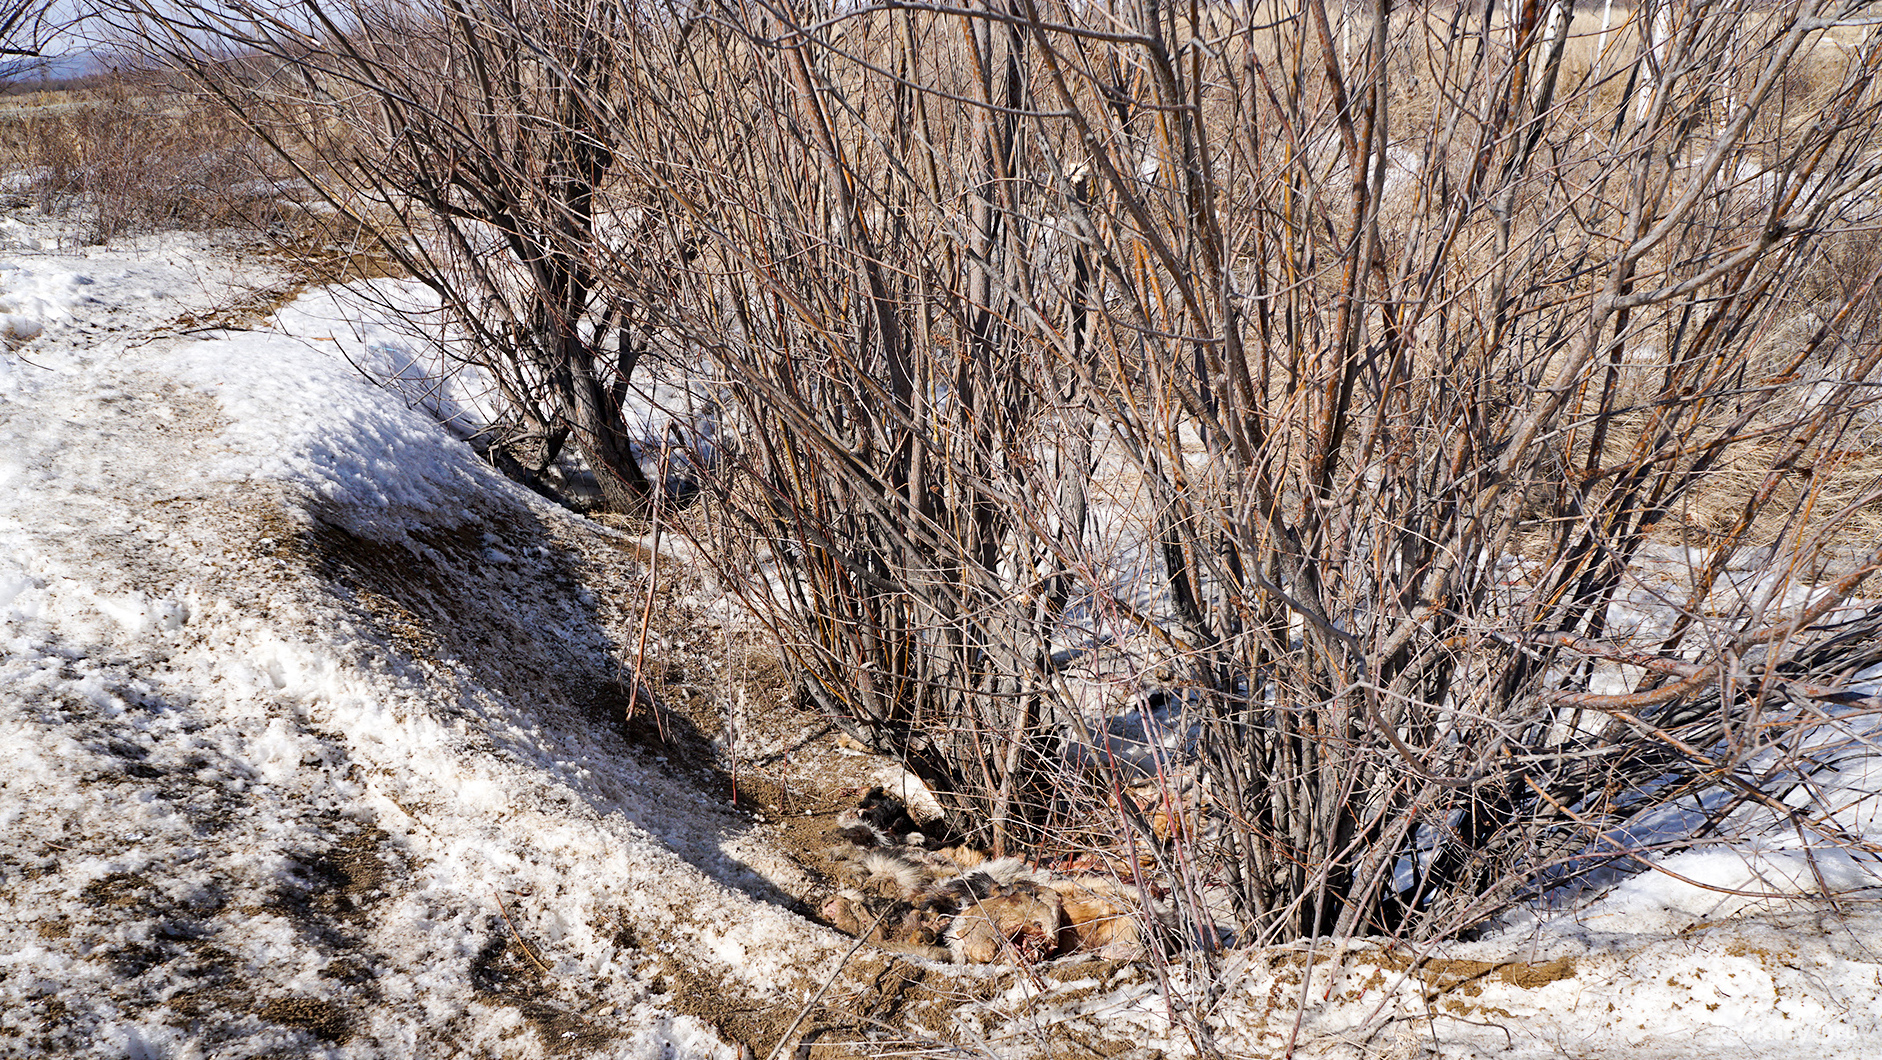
(298, 734)
(360, 325)
(205, 741)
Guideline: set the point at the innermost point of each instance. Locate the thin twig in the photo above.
(785, 1038)
(518, 935)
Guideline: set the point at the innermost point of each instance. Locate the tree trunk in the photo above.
(592, 405)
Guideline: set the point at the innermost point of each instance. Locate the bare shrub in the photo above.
(1415, 411)
(25, 26)
(1353, 365)
(134, 153)
(475, 145)
(1405, 465)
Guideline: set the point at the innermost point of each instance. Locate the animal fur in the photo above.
(1101, 917)
(911, 870)
(888, 923)
(880, 820)
(1021, 918)
(906, 895)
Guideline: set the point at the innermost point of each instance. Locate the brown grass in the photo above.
(124, 155)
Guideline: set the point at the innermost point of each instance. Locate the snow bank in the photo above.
(298, 731)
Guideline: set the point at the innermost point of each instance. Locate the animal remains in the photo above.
(907, 891)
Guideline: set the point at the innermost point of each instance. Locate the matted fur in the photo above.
(1023, 919)
(907, 895)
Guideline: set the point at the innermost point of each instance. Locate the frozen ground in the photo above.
(307, 718)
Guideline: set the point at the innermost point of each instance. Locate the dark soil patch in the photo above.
(1445, 975)
(120, 890)
(350, 877)
(508, 971)
(321, 1018)
(756, 1025)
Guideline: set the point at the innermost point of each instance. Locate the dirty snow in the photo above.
(239, 821)
(305, 723)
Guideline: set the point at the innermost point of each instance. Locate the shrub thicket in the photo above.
(1398, 391)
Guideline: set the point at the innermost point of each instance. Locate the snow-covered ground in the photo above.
(301, 702)
(307, 718)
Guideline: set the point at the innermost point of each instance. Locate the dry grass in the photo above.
(131, 154)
